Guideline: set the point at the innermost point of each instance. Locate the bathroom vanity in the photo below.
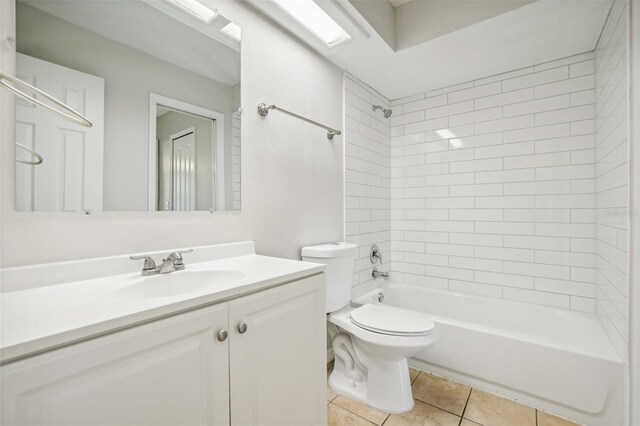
(234, 339)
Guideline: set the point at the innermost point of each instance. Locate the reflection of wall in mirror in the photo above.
(126, 96)
(174, 122)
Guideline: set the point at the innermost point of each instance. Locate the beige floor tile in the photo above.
(375, 416)
(467, 422)
(442, 393)
(488, 409)
(337, 416)
(413, 373)
(423, 415)
(546, 419)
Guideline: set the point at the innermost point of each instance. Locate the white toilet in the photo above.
(372, 342)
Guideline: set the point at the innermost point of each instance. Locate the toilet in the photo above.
(371, 342)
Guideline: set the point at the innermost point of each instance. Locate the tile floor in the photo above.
(440, 402)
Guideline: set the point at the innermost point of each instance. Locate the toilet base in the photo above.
(387, 386)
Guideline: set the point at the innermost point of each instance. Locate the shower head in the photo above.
(387, 112)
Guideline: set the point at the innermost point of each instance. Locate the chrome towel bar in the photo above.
(263, 110)
(38, 157)
(65, 110)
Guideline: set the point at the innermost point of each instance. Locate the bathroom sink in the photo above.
(177, 283)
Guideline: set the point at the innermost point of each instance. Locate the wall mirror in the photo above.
(160, 82)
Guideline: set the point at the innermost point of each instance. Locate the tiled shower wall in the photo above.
(493, 188)
(367, 177)
(612, 177)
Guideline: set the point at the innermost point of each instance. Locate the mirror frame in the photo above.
(156, 100)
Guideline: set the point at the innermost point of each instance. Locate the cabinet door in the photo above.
(170, 372)
(278, 365)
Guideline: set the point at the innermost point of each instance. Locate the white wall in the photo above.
(127, 90)
(612, 177)
(292, 191)
(367, 179)
(493, 186)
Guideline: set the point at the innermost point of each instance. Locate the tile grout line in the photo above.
(351, 412)
(464, 410)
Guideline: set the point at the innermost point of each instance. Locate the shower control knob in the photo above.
(222, 335)
(242, 327)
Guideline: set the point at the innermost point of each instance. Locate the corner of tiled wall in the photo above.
(367, 179)
(612, 177)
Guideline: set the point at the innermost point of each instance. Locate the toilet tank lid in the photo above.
(331, 250)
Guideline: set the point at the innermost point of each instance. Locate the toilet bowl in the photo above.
(372, 342)
(371, 348)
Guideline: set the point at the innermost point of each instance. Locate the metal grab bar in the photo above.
(263, 110)
(32, 152)
(66, 111)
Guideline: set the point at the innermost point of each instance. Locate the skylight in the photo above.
(195, 9)
(232, 30)
(316, 20)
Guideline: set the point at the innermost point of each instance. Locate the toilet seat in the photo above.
(391, 320)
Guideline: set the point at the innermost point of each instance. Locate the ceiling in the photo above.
(439, 52)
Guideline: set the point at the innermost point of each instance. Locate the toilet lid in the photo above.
(387, 319)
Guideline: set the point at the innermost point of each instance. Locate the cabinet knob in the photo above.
(242, 327)
(222, 335)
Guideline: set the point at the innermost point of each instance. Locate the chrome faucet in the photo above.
(378, 274)
(173, 262)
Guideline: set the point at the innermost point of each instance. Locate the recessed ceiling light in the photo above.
(316, 20)
(232, 30)
(195, 9)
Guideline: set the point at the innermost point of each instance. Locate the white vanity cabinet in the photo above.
(181, 371)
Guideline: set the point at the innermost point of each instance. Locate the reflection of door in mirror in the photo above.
(70, 177)
(189, 157)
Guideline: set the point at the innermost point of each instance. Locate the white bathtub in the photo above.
(557, 360)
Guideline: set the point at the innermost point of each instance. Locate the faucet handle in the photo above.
(149, 264)
(176, 257)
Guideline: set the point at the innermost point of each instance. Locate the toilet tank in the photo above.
(339, 259)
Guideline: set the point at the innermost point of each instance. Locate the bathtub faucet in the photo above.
(377, 274)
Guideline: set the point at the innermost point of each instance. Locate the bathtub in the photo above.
(557, 360)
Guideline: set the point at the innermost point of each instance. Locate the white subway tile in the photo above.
(542, 243)
(565, 86)
(537, 270)
(506, 202)
(565, 144)
(573, 288)
(538, 105)
(581, 68)
(504, 98)
(475, 190)
(565, 61)
(476, 165)
(475, 92)
(503, 124)
(475, 288)
(505, 280)
(523, 175)
(502, 253)
(507, 150)
(537, 133)
(475, 116)
(475, 264)
(537, 297)
(537, 160)
(537, 215)
(565, 115)
(475, 214)
(535, 79)
(422, 104)
(447, 110)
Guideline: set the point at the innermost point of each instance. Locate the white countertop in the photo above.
(42, 318)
